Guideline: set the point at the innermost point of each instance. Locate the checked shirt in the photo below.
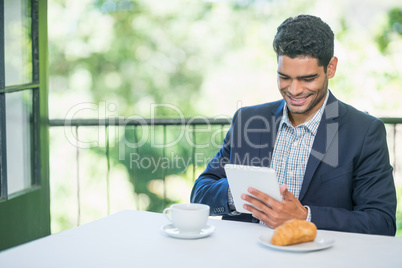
(292, 149)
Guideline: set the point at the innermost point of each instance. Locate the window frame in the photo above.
(25, 215)
(33, 86)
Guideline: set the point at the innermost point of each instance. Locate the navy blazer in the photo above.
(348, 183)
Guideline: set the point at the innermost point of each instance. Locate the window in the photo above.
(18, 97)
(24, 158)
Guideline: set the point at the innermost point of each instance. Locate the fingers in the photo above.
(253, 203)
(285, 192)
(262, 215)
(273, 212)
(287, 195)
(283, 189)
(261, 197)
(261, 206)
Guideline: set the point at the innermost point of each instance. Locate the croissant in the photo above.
(294, 232)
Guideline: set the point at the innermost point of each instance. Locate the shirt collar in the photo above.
(312, 124)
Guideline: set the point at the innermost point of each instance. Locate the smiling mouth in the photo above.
(298, 101)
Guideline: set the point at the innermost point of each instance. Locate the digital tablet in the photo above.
(241, 177)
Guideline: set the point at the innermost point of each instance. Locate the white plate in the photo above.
(320, 242)
(171, 230)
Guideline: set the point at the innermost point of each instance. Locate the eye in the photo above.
(309, 79)
(283, 77)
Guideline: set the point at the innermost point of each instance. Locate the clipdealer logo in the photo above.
(148, 129)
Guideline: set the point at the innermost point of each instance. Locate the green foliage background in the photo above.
(200, 58)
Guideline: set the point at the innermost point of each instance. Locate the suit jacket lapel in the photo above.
(275, 119)
(325, 136)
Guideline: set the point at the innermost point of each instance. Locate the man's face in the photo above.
(303, 85)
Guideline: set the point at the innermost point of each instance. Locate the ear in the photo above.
(331, 68)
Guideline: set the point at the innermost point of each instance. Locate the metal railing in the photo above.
(192, 123)
(76, 124)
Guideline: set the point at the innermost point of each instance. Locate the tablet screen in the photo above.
(242, 177)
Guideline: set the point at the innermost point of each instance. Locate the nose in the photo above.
(295, 87)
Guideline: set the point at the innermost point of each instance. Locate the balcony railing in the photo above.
(196, 130)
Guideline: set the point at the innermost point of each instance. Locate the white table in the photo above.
(134, 239)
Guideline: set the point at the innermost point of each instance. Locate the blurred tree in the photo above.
(133, 54)
(139, 52)
(391, 30)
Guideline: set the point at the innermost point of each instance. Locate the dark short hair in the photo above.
(305, 35)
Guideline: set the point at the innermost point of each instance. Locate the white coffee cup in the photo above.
(188, 218)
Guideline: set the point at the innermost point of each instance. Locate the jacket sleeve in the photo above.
(373, 194)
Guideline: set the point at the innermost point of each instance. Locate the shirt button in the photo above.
(295, 143)
(289, 174)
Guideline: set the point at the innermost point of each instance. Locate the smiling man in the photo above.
(331, 160)
(303, 85)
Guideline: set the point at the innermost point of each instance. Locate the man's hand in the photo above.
(271, 212)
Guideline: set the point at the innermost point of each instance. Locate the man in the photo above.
(331, 160)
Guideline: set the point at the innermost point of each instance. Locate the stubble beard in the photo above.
(310, 106)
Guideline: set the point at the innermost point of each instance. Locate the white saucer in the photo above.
(172, 231)
(320, 242)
